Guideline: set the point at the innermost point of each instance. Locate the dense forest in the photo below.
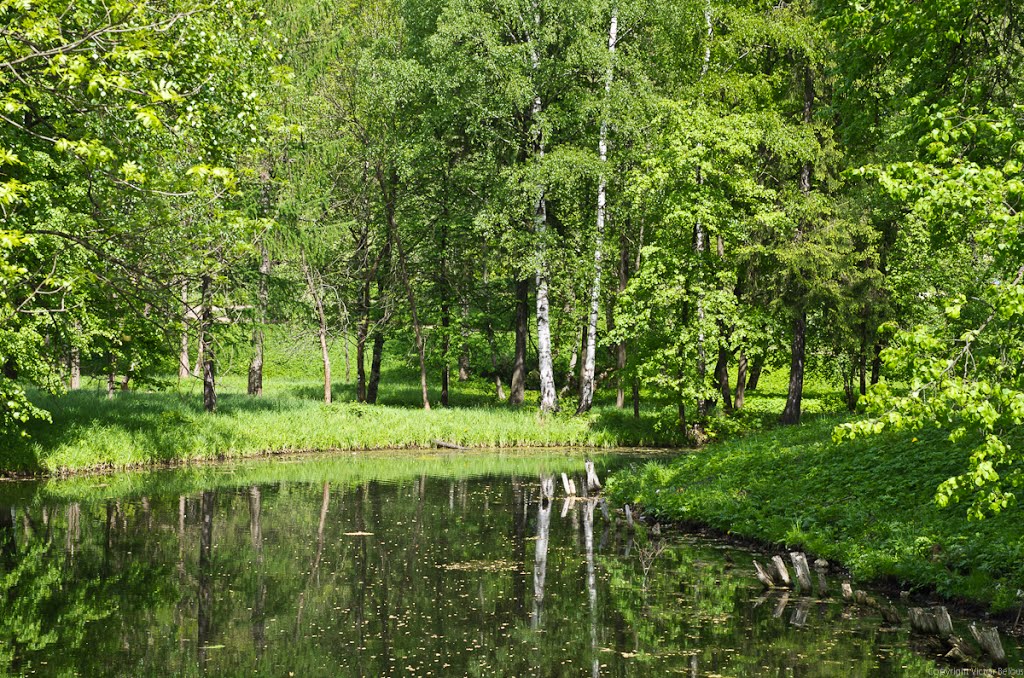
(659, 199)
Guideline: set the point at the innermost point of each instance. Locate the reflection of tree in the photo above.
(540, 557)
(205, 579)
(588, 540)
(259, 624)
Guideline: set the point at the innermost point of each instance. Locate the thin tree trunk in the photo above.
(494, 362)
(876, 364)
(722, 377)
(262, 301)
(791, 414)
(446, 344)
(75, 364)
(318, 304)
(111, 381)
(378, 352)
(636, 398)
(620, 349)
(699, 245)
(403, 269)
(518, 392)
(741, 381)
(589, 359)
(184, 364)
(206, 348)
(755, 372)
(362, 333)
(464, 347)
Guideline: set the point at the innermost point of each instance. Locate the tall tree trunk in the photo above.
(184, 363)
(388, 189)
(446, 317)
(206, 347)
(262, 301)
(446, 323)
(321, 316)
(464, 344)
(589, 359)
(518, 388)
(741, 381)
(548, 396)
(791, 414)
(700, 242)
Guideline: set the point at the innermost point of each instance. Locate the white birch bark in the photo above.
(587, 377)
(548, 396)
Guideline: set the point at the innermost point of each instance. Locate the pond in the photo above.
(403, 565)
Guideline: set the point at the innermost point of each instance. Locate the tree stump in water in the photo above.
(781, 573)
(846, 589)
(763, 576)
(629, 516)
(593, 482)
(988, 639)
(820, 567)
(568, 485)
(803, 572)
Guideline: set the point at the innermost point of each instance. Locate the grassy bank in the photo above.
(867, 504)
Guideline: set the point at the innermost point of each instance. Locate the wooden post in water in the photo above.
(763, 576)
(820, 567)
(593, 482)
(988, 639)
(629, 516)
(803, 572)
(781, 573)
(568, 485)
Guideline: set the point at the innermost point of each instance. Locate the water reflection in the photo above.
(421, 576)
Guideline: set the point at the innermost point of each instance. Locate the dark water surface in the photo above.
(394, 565)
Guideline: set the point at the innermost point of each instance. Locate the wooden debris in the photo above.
(593, 482)
(923, 621)
(820, 567)
(629, 516)
(943, 623)
(448, 446)
(568, 485)
(803, 572)
(781, 573)
(763, 576)
(988, 639)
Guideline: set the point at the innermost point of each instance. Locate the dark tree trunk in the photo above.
(791, 413)
(636, 397)
(378, 352)
(464, 344)
(518, 388)
(206, 347)
(262, 301)
(755, 373)
(741, 381)
(876, 364)
(722, 377)
(362, 332)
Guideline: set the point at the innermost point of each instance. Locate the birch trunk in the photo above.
(548, 396)
(587, 375)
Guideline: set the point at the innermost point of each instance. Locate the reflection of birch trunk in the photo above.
(314, 567)
(588, 541)
(205, 580)
(73, 530)
(259, 634)
(540, 559)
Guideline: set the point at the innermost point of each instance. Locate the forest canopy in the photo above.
(660, 198)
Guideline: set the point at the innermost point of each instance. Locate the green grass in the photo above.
(868, 504)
